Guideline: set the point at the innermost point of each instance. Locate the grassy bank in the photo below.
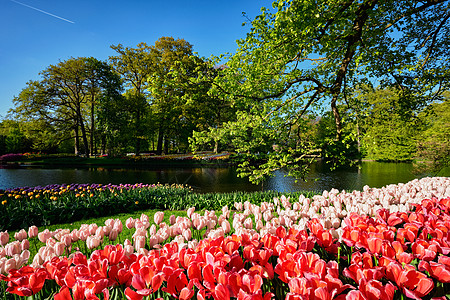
(134, 161)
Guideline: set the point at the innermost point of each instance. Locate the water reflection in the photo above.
(321, 178)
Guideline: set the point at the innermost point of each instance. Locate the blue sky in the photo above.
(35, 34)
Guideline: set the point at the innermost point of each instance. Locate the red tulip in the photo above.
(64, 294)
(221, 292)
(440, 271)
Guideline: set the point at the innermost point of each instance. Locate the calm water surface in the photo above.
(374, 174)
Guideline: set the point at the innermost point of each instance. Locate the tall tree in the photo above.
(135, 66)
(305, 54)
(170, 57)
(67, 94)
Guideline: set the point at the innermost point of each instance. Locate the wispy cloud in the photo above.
(42, 11)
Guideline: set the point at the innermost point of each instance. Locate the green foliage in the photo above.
(391, 131)
(64, 101)
(433, 148)
(302, 55)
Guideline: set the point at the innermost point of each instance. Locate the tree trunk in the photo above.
(216, 146)
(92, 128)
(160, 141)
(77, 140)
(137, 145)
(166, 145)
(353, 39)
(83, 133)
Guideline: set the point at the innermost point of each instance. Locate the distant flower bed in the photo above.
(70, 202)
(207, 156)
(11, 157)
(387, 243)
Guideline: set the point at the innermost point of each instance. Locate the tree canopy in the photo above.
(304, 55)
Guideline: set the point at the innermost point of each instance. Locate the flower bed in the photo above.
(325, 247)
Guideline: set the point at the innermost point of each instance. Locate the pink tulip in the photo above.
(128, 249)
(10, 264)
(158, 217)
(67, 240)
(152, 241)
(113, 234)
(172, 219)
(93, 241)
(187, 234)
(152, 230)
(92, 228)
(199, 223)
(4, 238)
(139, 242)
(50, 242)
(100, 231)
(144, 218)
(107, 229)
(211, 223)
(13, 248)
(83, 234)
(44, 235)
(129, 223)
(226, 226)
(59, 248)
(74, 235)
(33, 231)
(138, 224)
(190, 211)
(2, 265)
(118, 226)
(37, 260)
(25, 245)
(110, 222)
(20, 235)
(248, 223)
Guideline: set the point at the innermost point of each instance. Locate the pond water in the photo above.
(374, 174)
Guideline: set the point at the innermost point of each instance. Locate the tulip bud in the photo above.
(110, 222)
(25, 245)
(20, 235)
(10, 264)
(144, 218)
(113, 234)
(226, 226)
(190, 211)
(158, 217)
(66, 240)
(4, 238)
(187, 234)
(118, 226)
(59, 248)
(129, 223)
(139, 242)
(33, 231)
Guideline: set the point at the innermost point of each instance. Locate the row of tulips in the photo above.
(251, 221)
(54, 204)
(291, 264)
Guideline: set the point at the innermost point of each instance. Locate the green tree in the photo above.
(433, 147)
(135, 66)
(305, 54)
(66, 97)
(174, 97)
(390, 130)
